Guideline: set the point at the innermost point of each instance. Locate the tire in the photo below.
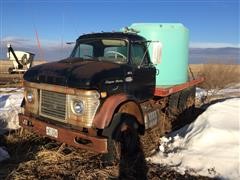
(186, 99)
(186, 106)
(124, 141)
(173, 105)
(125, 151)
(182, 104)
(181, 107)
(10, 70)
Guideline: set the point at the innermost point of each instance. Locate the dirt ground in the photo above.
(34, 157)
(11, 80)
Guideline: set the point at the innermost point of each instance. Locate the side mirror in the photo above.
(156, 52)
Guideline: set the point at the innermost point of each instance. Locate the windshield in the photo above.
(113, 50)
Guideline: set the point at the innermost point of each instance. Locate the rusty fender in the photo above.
(120, 103)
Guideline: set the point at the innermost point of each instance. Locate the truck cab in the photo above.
(133, 72)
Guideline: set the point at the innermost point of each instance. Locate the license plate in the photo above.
(52, 132)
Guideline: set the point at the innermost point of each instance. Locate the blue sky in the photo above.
(213, 23)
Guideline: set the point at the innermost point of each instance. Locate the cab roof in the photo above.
(115, 35)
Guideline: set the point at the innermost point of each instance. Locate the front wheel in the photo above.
(124, 140)
(124, 148)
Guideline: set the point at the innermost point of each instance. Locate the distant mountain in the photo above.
(214, 55)
(196, 55)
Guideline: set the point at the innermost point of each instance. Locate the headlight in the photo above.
(82, 107)
(77, 107)
(29, 96)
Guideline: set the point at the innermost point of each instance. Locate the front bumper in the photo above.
(64, 135)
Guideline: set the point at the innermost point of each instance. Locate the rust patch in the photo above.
(133, 109)
(104, 116)
(67, 136)
(166, 91)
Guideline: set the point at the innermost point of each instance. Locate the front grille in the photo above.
(53, 105)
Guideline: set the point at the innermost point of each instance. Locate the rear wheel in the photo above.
(181, 107)
(187, 99)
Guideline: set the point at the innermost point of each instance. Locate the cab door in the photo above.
(144, 72)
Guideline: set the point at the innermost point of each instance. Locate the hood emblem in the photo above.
(114, 81)
(128, 79)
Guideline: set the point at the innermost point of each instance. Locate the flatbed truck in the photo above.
(108, 92)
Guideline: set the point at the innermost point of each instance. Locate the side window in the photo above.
(137, 54)
(84, 50)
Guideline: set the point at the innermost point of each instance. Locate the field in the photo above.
(34, 157)
(10, 80)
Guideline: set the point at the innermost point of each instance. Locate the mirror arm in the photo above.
(149, 42)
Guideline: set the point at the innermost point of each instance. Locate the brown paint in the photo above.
(133, 109)
(65, 135)
(106, 113)
(104, 116)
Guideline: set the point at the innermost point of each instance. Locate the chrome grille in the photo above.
(53, 105)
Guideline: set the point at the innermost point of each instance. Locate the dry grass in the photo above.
(217, 76)
(11, 80)
(34, 157)
(51, 164)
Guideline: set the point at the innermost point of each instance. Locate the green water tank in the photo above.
(173, 38)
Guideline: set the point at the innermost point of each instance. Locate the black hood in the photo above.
(77, 73)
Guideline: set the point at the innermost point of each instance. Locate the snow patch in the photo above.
(210, 146)
(10, 102)
(201, 94)
(231, 91)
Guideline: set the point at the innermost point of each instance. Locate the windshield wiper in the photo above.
(89, 57)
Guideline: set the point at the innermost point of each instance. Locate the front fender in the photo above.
(117, 103)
